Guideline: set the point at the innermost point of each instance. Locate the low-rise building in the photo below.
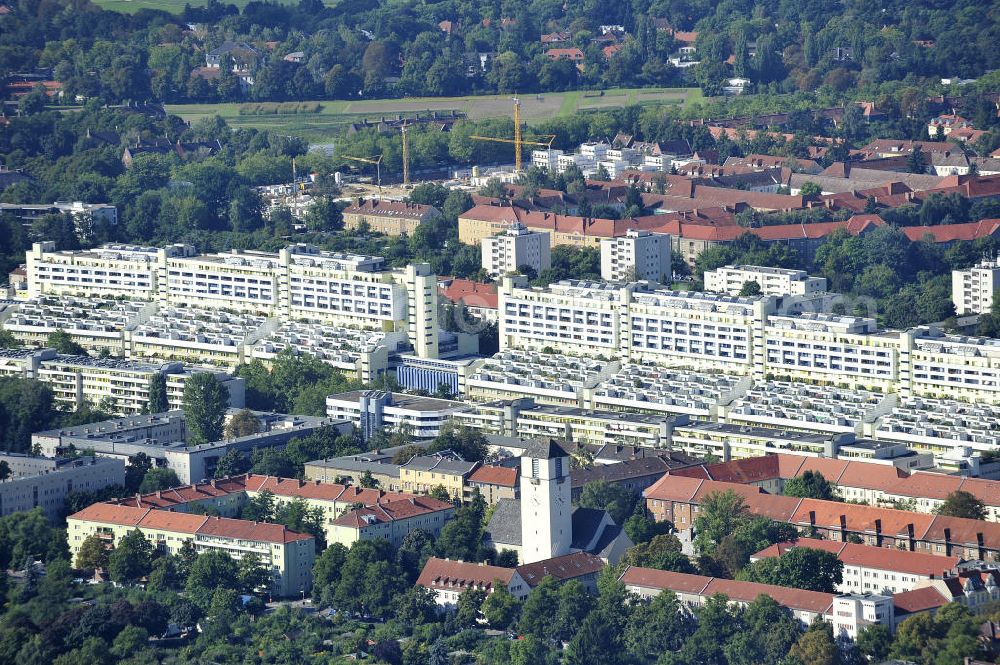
(392, 218)
(39, 482)
(391, 521)
(286, 555)
(580, 566)
(163, 437)
(874, 569)
(772, 281)
(450, 579)
(850, 613)
(375, 410)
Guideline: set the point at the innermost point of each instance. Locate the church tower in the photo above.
(546, 511)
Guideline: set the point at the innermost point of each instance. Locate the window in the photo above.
(534, 468)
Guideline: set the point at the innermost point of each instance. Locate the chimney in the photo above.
(812, 518)
(910, 539)
(981, 545)
(843, 528)
(947, 541)
(878, 533)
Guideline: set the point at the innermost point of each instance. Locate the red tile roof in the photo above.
(446, 574)
(471, 293)
(918, 600)
(385, 207)
(744, 592)
(245, 530)
(866, 556)
(104, 512)
(392, 511)
(494, 475)
(565, 567)
(953, 232)
(564, 53)
(664, 579)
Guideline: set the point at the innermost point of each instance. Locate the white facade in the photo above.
(772, 281)
(517, 246)
(973, 290)
(546, 508)
(639, 255)
(853, 612)
(375, 410)
(298, 282)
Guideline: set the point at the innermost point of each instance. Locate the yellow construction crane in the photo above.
(518, 141)
(377, 161)
(406, 155)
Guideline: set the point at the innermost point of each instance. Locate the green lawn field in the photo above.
(333, 115)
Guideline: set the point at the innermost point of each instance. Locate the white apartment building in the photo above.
(772, 281)
(830, 348)
(547, 160)
(851, 613)
(374, 410)
(298, 282)
(110, 270)
(572, 316)
(754, 337)
(517, 246)
(638, 255)
(121, 385)
(973, 290)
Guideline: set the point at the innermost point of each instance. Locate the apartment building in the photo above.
(638, 255)
(392, 218)
(848, 613)
(298, 282)
(375, 410)
(937, 364)
(38, 482)
(449, 579)
(163, 437)
(86, 216)
(772, 281)
(129, 271)
(287, 555)
(97, 324)
(677, 498)
(973, 290)
(119, 385)
(827, 348)
(391, 521)
(517, 246)
(873, 569)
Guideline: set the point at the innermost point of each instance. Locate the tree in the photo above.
(232, 463)
(205, 404)
(129, 641)
(159, 479)
(93, 554)
(135, 473)
(62, 342)
(810, 485)
(799, 567)
(658, 626)
(916, 162)
(874, 641)
(253, 575)
(595, 642)
(470, 602)
(501, 608)
(4, 470)
(663, 552)
(243, 423)
(461, 538)
(158, 394)
(809, 189)
(816, 646)
(602, 495)
(719, 516)
(368, 481)
(131, 559)
(963, 504)
(750, 288)
(324, 215)
(212, 570)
